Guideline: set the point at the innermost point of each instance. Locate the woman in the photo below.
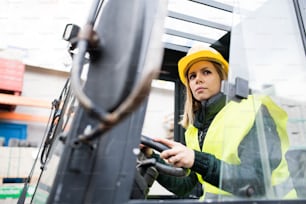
(222, 148)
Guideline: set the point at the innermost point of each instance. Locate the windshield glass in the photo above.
(264, 141)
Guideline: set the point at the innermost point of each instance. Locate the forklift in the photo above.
(90, 153)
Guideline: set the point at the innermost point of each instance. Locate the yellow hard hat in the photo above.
(197, 53)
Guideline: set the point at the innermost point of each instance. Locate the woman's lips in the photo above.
(200, 89)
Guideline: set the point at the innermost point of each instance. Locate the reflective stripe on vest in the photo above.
(229, 127)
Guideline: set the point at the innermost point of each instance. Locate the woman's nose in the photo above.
(199, 79)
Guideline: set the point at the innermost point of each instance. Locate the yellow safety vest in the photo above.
(228, 129)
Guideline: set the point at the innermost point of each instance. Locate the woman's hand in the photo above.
(178, 155)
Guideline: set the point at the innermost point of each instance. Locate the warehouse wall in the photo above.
(44, 85)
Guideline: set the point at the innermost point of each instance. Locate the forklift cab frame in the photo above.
(93, 158)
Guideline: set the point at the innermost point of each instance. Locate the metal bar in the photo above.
(199, 21)
(301, 19)
(215, 4)
(190, 36)
(176, 47)
(23, 101)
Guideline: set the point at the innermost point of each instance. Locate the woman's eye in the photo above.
(206, 72)
(192, 76)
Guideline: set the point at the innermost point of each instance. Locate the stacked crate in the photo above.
(11, 79)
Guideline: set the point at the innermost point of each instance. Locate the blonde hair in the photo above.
(191, 104)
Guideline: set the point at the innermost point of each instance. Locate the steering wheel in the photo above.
(164, 168)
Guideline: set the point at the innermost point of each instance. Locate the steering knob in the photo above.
(151, 143)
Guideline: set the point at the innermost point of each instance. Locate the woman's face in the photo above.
(204, 80)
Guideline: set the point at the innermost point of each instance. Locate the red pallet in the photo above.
(11, 75)
(11, 79)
